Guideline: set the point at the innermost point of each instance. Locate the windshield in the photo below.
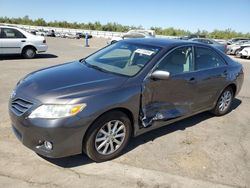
(122, 58)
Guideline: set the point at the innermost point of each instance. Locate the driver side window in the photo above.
(178, 61)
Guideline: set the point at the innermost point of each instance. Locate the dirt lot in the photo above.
(202, 151)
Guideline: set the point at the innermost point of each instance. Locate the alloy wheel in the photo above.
(225, 101)
(110, 137)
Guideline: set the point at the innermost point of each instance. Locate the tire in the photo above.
(224, 102)
(29, 52)
(237, 53)
(98, 143)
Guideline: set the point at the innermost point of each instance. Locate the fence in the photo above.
(95, 33)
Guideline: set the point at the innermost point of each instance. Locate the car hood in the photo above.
(67, 82)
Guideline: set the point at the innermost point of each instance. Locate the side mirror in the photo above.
(160, 75)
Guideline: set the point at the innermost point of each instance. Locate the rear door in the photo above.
(211, 71)
(12, 41)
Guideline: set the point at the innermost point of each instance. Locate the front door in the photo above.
(163, 100)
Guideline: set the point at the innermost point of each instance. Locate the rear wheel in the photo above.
(224, 102)
(29, 52)
(108, 136)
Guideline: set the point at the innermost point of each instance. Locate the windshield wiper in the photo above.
(82, 60)
(94, 66)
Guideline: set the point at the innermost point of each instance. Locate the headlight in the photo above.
(53, 111)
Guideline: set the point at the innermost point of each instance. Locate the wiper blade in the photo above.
(94, 66)
(82, 60)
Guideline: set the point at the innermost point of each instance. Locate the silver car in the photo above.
(17, 41)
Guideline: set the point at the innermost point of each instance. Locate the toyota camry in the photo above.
(95, 105)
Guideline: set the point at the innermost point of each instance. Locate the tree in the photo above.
(112, 26)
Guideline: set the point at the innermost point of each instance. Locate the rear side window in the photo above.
(207, 41)
(11, 33)
(178, 61)
(206, 58)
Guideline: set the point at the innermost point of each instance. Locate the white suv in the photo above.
(17, 41)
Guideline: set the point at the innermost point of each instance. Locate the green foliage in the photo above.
(64, 24)
(170, 31)
(217, 34)
(227, 34)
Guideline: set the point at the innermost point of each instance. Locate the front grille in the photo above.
(20, 106)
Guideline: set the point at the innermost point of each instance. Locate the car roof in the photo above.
(9, 27)
(5, 26)
(200, 39)
(162, 42)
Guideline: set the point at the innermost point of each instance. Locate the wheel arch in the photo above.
(28, 46)
(121, 109)
(234, 88)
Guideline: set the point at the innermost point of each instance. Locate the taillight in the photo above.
(44, 41)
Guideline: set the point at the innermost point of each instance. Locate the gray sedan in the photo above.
(96, 104)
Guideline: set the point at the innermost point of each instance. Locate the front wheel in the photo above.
(224, 102)
(108, 136)
(237, 53)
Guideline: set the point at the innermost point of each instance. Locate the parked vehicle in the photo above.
(191, 37)
(96, 104)
(83, 35)
(17, 41)
(133, 34)
(233, 49)
(222, 41)
(51, 33)
(32, 31)
(41, 32)
(244, 53)
(58, 34)
(219, 46)
(70, 35)
(235, 40)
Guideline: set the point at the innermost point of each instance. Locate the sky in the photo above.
(182, 14)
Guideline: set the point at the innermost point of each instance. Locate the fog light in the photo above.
(48, 145)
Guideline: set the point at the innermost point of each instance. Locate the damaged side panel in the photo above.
(157, 111)
(162, 101)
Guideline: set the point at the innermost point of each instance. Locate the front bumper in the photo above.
(66, 134)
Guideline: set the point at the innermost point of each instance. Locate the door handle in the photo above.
(192, 80)
(23, 40)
